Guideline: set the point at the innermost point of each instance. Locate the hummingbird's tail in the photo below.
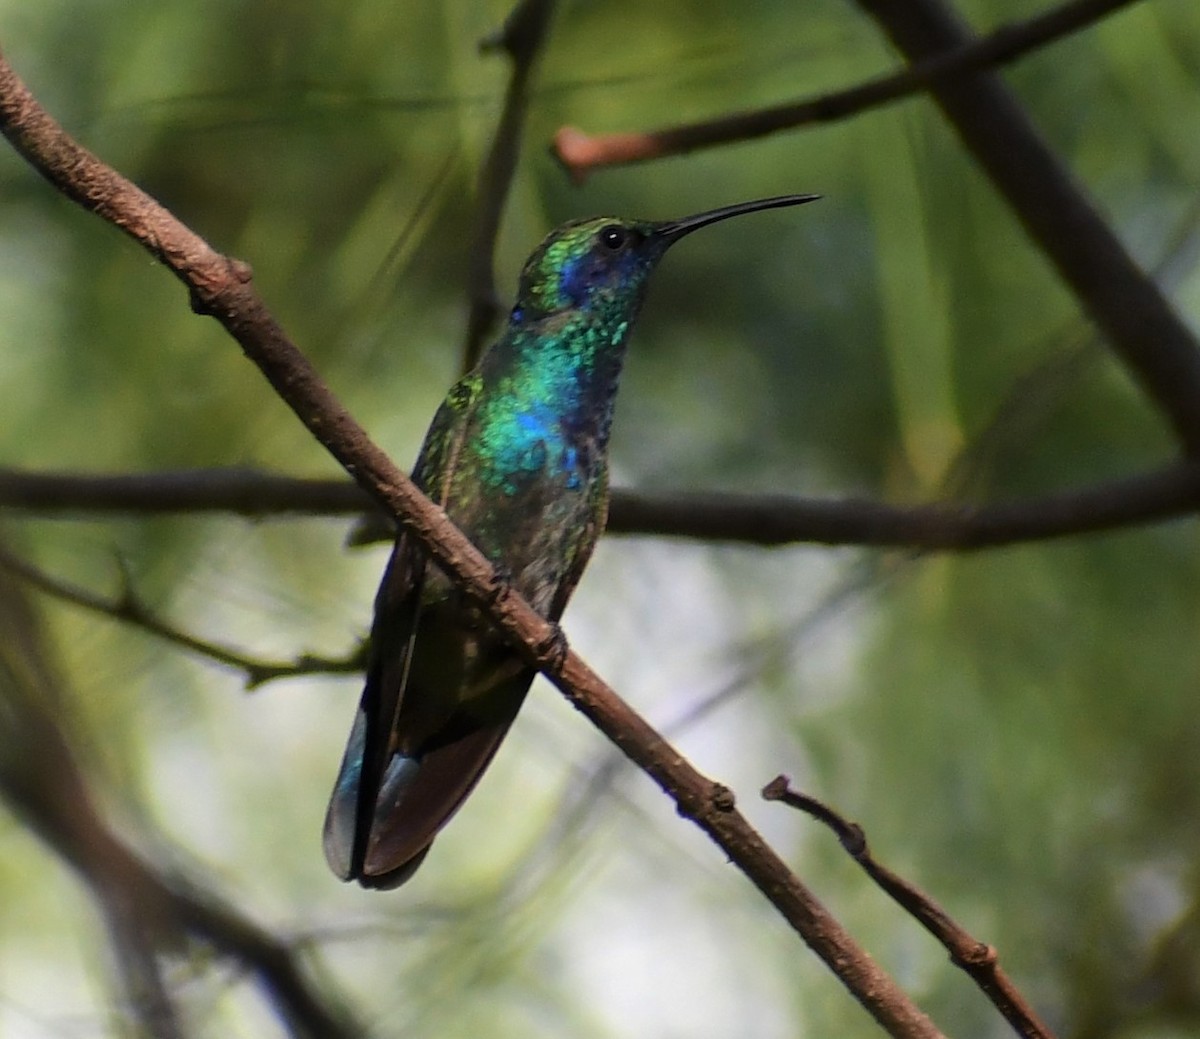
(417, 797)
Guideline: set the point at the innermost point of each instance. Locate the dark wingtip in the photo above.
(393, 878)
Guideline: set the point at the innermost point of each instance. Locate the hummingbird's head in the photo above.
(602, 260)
(605, 262)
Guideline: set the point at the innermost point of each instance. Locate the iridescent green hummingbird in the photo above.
(517, 456)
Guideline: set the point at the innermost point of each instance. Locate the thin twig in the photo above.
(978, 959)
(142, 988)
(128, 607)
(521, 37)
(1147, 334)
(220, 286)
(1126, 305)
(150, 913)
(273, 963)
(580, 153)
(244, 492)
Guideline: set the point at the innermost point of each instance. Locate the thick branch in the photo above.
(221, 288)
(755, 519)
(1123, 302)
(776, 520)
(1143, 329)
(580, 153)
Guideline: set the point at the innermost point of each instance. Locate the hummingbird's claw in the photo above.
(552, 650)
(499, 585)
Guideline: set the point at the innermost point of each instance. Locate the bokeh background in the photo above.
(1016, 729)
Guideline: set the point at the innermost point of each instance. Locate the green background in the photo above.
(1017, 729)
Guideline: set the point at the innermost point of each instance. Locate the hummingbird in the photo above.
(517, 456)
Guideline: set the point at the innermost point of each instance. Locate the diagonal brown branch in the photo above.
(580, 153)
(947, 58)
(221, 287)
(978, 959)
(1125, 304)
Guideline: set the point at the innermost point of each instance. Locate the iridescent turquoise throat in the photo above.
(553, 398)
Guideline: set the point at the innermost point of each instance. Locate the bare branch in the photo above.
(1125, 304)
(244, 492)
(778, 520)
(754, 519)
(272, 962)
(142, 988)
(129, 608)
(580, 153)
(149, 913)
(979, 960)
(221, 287)
(521, 37)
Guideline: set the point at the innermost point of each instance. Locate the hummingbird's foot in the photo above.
(552, 651)
(499, 585)
(495, 591)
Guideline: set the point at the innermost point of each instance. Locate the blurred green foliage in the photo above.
(1017, 730)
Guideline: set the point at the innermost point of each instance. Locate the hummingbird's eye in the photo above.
(613, 237)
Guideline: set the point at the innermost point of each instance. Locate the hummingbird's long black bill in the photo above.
(673, 230)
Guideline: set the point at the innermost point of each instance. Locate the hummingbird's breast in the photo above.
(529, 482)
(529, 492)
(533, 445)
(545, 412)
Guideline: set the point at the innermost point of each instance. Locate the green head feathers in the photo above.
(606, 261)
(587, 261)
